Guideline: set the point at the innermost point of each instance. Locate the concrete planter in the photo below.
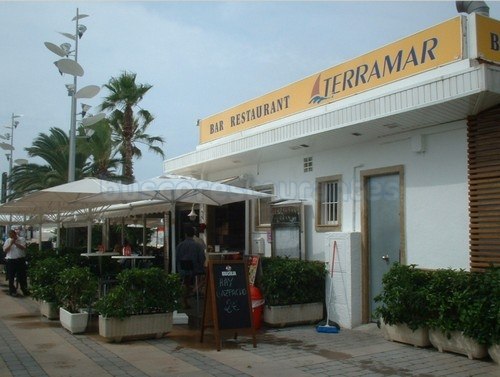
(286, 315)
(457, 343)
(49, 309)
(403, 334)
(143, 326)
(494, 352)
(75, 323)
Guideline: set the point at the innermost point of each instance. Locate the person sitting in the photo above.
(127, 249)
(190, 262)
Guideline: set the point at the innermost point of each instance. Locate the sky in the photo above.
(201, 57)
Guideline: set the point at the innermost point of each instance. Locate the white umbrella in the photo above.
(66, 198)
(173, 189)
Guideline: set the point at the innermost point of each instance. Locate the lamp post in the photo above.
(13, 126)
(10, 147)
(71, 67)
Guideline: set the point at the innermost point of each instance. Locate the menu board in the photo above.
(232, 296)
(228, 303)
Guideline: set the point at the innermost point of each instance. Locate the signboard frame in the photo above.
(222, 275)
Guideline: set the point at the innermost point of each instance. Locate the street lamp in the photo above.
(71, 67)
(10, 147)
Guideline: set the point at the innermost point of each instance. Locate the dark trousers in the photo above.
(16, 268)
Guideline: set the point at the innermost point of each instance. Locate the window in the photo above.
(328, 207)
(263, 207)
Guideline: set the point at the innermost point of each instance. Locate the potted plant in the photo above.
(481, 317)
(455, 308)
(140, 305)
(76, 290)
(403, 309)
(43, 276)
(293, 290)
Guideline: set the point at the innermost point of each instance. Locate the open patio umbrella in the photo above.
(66, 198)
(174, 189)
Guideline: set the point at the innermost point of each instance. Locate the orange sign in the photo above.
(431, 48)
(488, 38)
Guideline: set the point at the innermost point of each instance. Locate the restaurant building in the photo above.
(390, 157)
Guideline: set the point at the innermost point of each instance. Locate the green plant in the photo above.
(479, 308)
(292, 281)
(43, 276)
(76, 288)
(141, 291)
(404, 296)
(447, 290)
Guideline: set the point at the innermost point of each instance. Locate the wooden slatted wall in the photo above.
(483, 134)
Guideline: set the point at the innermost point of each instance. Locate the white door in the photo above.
(384, 230)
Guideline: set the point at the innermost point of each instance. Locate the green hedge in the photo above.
(445, 299)
(141, 291)
(291, 281)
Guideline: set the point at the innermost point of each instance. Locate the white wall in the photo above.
(436, 200)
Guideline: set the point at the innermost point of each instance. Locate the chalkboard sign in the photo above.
(227, 299)
(232, 296)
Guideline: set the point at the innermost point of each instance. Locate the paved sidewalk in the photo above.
(31, 345)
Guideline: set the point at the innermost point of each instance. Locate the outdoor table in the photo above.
(99, 254)
(133, 258)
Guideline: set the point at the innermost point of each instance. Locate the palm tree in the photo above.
(100, 149)
(125, 95)
(140, 124)
(53, 148)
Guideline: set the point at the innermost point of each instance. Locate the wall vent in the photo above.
(308, 164)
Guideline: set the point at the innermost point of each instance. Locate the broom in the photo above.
(326, 328)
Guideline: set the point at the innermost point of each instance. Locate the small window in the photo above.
(328, 201)
(263, 207)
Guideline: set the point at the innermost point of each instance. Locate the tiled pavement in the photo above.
(31, 345)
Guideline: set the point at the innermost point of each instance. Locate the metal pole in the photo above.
(12, 127)
(72, 131)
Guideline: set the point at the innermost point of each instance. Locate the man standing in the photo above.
(15, 258)
(190, 262)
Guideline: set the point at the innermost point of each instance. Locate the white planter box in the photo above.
(457, 343)
(144, 326)
(403, 334)
(280, 316)
(49, 310)
(494, 352)
(75, 323)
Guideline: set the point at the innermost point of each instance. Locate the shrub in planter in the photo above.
(141, 305)
(480, 308)
(141, 291)
(447, 291)
(404, 297)
(292, 281)
(76, 288)
(43, 276)
(459, 308)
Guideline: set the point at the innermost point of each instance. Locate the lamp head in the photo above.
(192, 215)
(66, 47)
(85, 108)
(71, 89)
(81, 30)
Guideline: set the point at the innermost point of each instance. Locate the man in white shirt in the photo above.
(15, 259)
